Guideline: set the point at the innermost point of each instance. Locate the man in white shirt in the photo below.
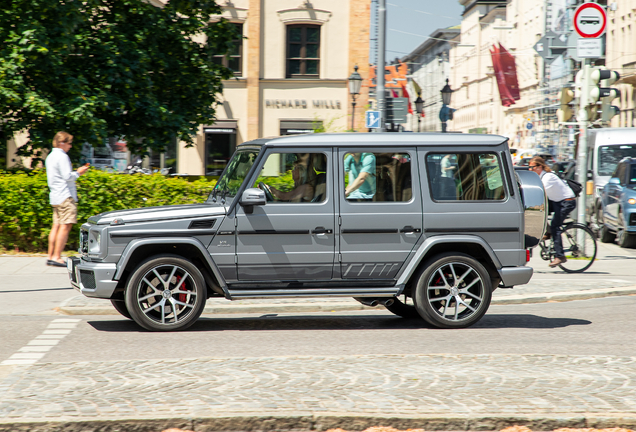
(63, 196)
(562, 201)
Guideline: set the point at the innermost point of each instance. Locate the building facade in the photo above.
(429, 65)
(290, 75)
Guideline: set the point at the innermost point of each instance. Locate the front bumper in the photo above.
(92, 279)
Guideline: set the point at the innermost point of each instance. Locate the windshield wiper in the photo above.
(214, 191)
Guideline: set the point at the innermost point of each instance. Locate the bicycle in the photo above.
(579, 247)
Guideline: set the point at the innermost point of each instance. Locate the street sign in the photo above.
(590, 20)
(396, 110)
(529, 126)
(551, 45)
(372, 120)
(589, 48)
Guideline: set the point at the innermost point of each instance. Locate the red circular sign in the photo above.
(590, 20)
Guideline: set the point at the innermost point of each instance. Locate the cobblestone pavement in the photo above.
(401, 386)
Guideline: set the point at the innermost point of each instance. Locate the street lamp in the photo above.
(419, 106)
(355, 82)
(446, 113)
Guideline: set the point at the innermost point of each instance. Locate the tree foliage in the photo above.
(101, 68)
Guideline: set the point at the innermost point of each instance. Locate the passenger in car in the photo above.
(361, 170)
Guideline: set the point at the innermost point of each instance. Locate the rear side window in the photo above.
(465, 177)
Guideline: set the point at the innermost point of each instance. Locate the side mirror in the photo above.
(614, 181)
(252, 197)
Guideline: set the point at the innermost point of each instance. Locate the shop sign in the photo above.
(302, 104)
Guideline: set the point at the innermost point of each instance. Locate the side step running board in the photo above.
(316, 292)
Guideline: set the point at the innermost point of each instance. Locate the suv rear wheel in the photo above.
(165, 293)
(453, 291)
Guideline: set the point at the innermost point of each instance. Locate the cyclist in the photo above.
(561, 202)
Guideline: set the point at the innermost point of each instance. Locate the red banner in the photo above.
(509, 66)
(504, 91)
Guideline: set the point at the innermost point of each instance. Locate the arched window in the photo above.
(303, 51)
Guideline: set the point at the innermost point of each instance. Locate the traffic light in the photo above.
(607, 109)
(604, 77)
(565, 112)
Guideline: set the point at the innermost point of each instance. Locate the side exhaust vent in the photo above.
(202, 224)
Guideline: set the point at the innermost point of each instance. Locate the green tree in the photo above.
(99, 68)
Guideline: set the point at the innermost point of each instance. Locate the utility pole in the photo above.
(380, 96)
(582, 117)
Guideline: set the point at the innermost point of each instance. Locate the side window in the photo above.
(632, 174)
(294, 178)
(465, 177)
(234, 58)
(377, 177)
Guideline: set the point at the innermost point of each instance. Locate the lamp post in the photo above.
(355, 82)
(419, 106)
(446, 113)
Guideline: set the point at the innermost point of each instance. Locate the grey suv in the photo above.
(427, 225)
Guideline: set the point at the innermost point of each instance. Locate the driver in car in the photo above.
(303, 175)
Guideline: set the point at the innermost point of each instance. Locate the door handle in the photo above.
(410, 230)
(321, 230)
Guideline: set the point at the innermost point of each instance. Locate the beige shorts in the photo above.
(65, 213)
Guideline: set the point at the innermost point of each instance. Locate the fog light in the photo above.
(632, 201)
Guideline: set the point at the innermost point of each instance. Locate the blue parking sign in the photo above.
(372, 119)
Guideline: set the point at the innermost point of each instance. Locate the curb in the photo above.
(80, 305)
(326, 422)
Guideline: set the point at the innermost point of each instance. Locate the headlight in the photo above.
(94, 242)
(632, 201)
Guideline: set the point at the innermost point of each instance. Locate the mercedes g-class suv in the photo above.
(427, 225)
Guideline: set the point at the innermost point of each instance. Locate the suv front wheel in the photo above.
(165, 293)
(453, 291)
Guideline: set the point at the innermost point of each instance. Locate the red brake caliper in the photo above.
(181, 297)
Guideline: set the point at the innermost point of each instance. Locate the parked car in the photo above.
(606, 147)
(618, 200)
(369, 216)
(565, 169)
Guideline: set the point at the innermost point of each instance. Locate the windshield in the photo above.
(232, 178)
(609, 157)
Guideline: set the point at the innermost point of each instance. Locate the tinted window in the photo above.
(610, 156)
(465, 177)
(377, 177)
(294, 177)
(632, 174)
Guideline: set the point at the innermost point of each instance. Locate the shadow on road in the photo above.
(273, 322)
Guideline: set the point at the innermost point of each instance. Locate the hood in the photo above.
(145, 214)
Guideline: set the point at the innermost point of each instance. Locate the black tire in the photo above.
(605, 235)
(456, 281)
(625, 239)
(161, 286)
(579, 256)
(404, 308)
(120, 306)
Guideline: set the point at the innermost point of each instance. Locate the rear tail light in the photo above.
(528, 254)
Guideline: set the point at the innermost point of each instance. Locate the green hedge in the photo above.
(26, 215)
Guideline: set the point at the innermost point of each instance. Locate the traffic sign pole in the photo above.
(581, 161)
(380, 71)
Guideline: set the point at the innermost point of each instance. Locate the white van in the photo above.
(606, 147)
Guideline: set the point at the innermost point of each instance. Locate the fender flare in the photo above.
(421, 251)
(135, 244)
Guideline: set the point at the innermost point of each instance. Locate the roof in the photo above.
(386, 139)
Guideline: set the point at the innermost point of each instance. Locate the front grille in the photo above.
(88, 279)
(632, 219)
(83, 249)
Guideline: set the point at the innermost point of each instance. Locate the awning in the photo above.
(221, 126)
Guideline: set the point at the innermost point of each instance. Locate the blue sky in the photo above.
(409, 20)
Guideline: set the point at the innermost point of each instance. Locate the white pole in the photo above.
(380, 98)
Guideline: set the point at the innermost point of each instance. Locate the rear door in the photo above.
(380, 218)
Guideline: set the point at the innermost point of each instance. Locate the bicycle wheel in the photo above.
(579, 246)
